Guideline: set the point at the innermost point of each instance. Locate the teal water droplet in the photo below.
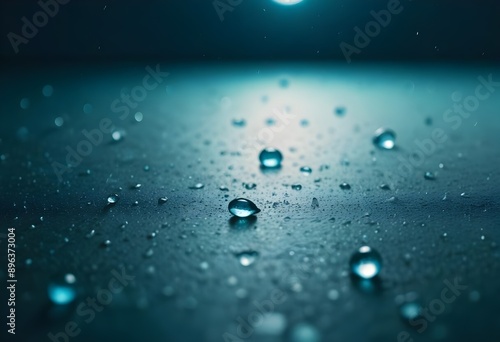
(315, 203)
(197, 186)
(250, 186)
(340, 111)
(271, 158)
(112, 199)
(162, 200)
(242, 207)
(239, 122)
(366, 263)
(247, 258)
(384, 139)
(25, 103)
(296, 187)
(430, 176)
(345, 186)
(62, 289)
(306, 170)
(410, 311)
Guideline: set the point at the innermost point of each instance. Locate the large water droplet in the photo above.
(62, 290)
(384, 139)
(366, 263)
(270, 157)
(242, 207)
(296, 187)
(247, 258)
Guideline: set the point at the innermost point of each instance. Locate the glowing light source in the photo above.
(288, 2)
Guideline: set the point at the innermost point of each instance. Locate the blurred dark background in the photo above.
(253, 29)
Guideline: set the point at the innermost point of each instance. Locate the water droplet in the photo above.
(62, 290)
(305, 170)
(430, 176)
(106, 243)
(385, 187)
(146, 168)
(384, 139)
(204, 265)
(137, 186)
(410, 310)
(59, 121)
(197, 186)
(47, 90)
(162, 200)
(239, 122)
(314, 203)
(270, 157)
(345, 186)
(223, 188)
(296, 187)
(250, 186)
(242, 207)
(91, 234)
(118, 135)
(112, 199)
(304, 122)
(366, 263)
(138, 116)
(247, 258)
(149, 253)
(340, 111)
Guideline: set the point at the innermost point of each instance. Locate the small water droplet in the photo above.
(340, 111)
(106, 243)
(345, 186)
(384, 139)
(242, 207)
(250, 186)
(247, 258)
(162, 200)
(138, 116)
(118, 135)
(204, 265)
(430, 175)
(315, 203)
(410, 310)
(271, 158)
(306, 170)
(112, 199)
(385, 187)
(59, 121)
(223, 188)
(366, 263)
(62, 289)
(197, 186)
(296, 187)
(239, 122)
